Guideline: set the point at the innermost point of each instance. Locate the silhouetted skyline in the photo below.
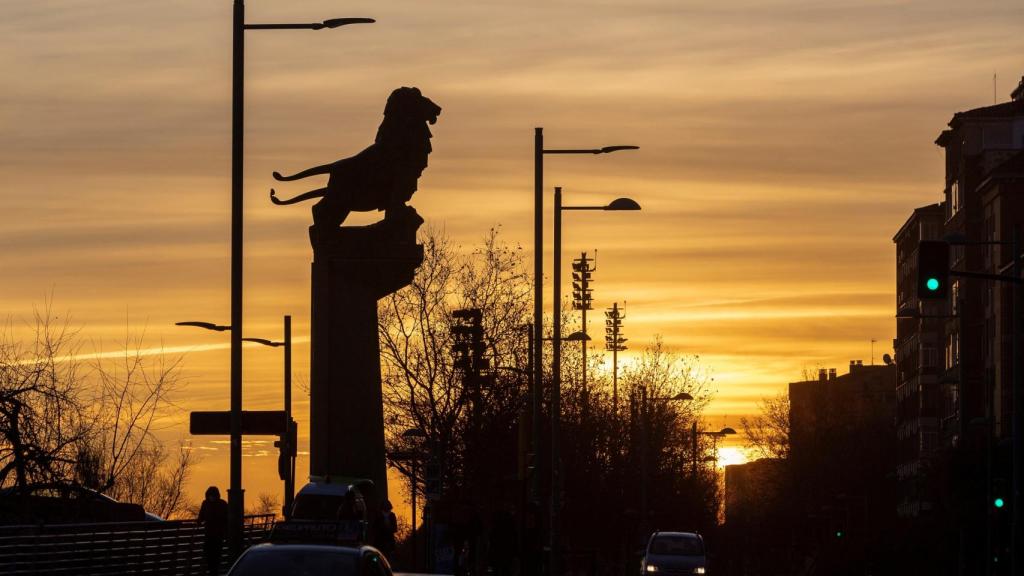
(782, 144)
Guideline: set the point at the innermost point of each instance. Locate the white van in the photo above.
(321, 498)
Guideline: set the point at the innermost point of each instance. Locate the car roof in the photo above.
(685, 534)
(353, 550)
(325, 488)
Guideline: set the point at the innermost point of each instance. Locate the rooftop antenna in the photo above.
(873, 351)
(995, 97)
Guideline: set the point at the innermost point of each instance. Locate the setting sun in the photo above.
(729, 455)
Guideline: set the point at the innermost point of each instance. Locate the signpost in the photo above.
(254, 423)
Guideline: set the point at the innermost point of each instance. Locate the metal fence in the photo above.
(173, 547)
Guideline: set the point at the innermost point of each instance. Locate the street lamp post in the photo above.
(556, 364)
(287, 449)
(289, 436)
(236, 504)
(538, 276)
(694, 433)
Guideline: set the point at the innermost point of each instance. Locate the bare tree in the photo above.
(43, 422)
(66, 423)
(422, 386)
(767, 431)
(265, 504)
(155, 478)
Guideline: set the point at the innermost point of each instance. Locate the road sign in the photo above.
(254, 423)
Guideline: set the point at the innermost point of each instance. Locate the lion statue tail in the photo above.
(300, 198)
(314, 171)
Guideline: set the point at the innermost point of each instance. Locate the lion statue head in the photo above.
(406, 116)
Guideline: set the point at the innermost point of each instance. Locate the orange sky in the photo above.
(783, 143)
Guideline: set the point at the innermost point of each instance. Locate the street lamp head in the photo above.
(264, 341)
(206, 325)
(577, 337)
(609, 149)
(726, 431)
(623, 204)
(682, 396)
(336, 22)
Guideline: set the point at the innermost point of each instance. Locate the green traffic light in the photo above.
(999, 502)
(932, 284)
(839, 533)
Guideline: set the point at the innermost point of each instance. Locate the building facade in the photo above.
(954, 356)
(922, 404)
(842, 456)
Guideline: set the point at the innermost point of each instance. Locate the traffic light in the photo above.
(288, 448)
(932, 270)
(999, 492)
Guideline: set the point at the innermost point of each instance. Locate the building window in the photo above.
(954, 300)
(928, 357)
(955, 197)
(952, 350)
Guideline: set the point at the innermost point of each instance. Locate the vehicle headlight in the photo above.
(652, 568)
(698, 570)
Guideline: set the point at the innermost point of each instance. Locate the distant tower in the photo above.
(581, 300)
(614, 341)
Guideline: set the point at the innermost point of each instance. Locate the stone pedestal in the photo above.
(353, 267)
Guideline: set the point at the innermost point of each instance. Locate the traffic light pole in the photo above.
(289, 483)
(932, 269)
(1017, 450)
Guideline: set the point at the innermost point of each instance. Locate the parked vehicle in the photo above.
(322, 498)
(66, 504)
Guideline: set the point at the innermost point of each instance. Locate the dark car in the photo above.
(310, 560)
(674, 553)
(66, 504)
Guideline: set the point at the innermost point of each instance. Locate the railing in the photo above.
(173, 547)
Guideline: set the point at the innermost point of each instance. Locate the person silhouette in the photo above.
(349, 508)
(387, 526)
(213, 515)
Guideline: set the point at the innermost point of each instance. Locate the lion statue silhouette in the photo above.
(383, 176)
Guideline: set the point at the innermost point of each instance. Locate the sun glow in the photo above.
(729, 455)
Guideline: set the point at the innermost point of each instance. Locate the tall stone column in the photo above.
(354, 267)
